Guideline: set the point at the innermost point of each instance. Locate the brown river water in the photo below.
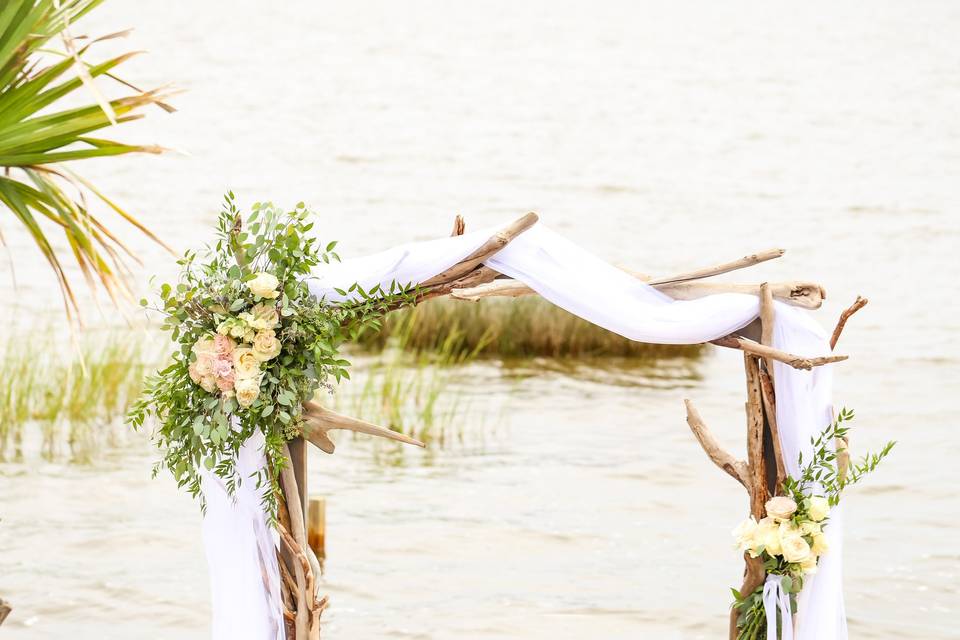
(662, 136)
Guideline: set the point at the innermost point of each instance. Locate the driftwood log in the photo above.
(470, 279)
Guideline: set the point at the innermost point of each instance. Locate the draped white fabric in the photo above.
(585, 285)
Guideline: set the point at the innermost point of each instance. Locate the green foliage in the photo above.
(216, 294)
(751, 619)
(39, 132)
(823, 473)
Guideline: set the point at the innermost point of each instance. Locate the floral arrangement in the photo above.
(790, 539)
(252, 345)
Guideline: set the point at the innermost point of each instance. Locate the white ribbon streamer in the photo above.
(244, 581)
(774, 598)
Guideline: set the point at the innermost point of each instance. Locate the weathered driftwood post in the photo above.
(761, 474)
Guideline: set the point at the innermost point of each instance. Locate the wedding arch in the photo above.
(264, 581)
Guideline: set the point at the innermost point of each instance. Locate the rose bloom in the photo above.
(247, 390)
(744, 533)
(780, 507)
(266, 346)
(809, 528)
(820, 545)
(264, 285)
(194, 374)
(204, 363)
(245, 363)
(767, 535)
(819, 508)
(209, 383)
(809, 566)
(794, 547)
(224, 345)
(225, 383)
(262, 316)
(204, 345)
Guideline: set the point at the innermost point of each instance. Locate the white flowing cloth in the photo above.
(243, 570)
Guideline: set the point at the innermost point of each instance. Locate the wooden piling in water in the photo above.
(317, 528)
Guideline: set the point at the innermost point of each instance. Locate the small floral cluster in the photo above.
(791, 535)
(234, 369)
(790, 540)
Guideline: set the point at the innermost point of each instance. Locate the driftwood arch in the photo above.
(470, 279)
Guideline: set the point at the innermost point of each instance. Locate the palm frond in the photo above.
(41, 66)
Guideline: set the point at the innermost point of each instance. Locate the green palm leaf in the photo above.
(37, 138)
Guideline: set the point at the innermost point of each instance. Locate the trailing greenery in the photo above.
(43, 68)
(252, 345)
(824, 471)
(520, 327)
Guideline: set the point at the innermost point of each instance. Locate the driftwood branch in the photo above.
(858, 304)
(304, 619)
(726, 267)
(736, 469)
(320, 420)
(459, 226)
(5, 610)
(757, 349)
(770, 411)
(807, 295)
(494, 244)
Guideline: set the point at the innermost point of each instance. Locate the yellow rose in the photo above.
(744, 533)
(809, 528)
(247, 390)
(818, 509)
(793, 547)
(820, 545)
(266, 346)
(264, 285)
(245, 363)
(780, 507)
(809, 566)
(767, 535)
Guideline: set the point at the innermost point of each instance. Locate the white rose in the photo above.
(820, 545)
(793, 547)
(247, 390)
(245, 363)
(819, 508)
(264, 285)
(780, 507)
(204, 345)
(266, 346)
(767, 535)
(744, 533)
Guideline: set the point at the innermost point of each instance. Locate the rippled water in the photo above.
(661, 136)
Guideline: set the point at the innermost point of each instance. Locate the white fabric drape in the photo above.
(591, 288)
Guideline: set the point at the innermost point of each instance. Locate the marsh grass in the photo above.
(416, 392)
(510, 328)
(73, 397)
